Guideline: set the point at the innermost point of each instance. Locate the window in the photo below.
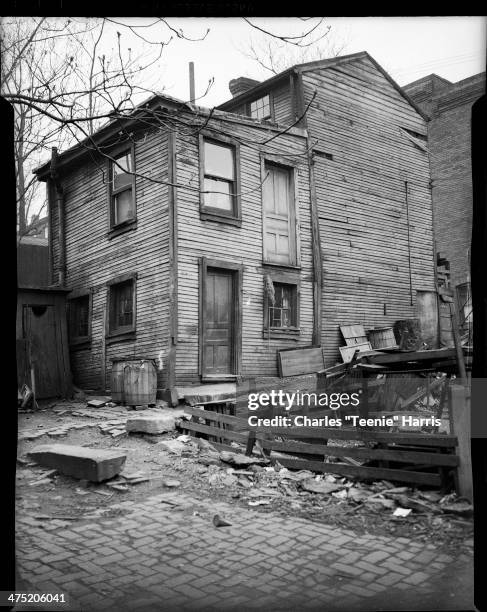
(79, 319)
(219, 178)
(279, 215)
(281, 305)
(122, 307)
(261, 108)
(282, 314)
(122, 189)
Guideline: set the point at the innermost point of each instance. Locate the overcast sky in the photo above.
(407, 47)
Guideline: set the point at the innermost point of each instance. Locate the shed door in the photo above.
(40, 332)
(218, 323)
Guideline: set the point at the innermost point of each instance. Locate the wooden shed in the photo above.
(42, 341)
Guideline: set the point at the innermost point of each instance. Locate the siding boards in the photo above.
(92, 258)
(357, 115)
(240, 245)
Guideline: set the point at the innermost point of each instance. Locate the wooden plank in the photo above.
(460, 409)
(215, 431)
(224, 447)
(418, 457)
(364, 473)
(336, 433)
(347, 352)
(294, 362)
(214, 416)
(401, 357)
(353, 334)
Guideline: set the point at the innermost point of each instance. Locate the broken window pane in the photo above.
(122, 306)
(283, 312)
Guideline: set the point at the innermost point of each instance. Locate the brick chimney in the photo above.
(241, 85)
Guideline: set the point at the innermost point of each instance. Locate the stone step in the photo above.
(81, 462)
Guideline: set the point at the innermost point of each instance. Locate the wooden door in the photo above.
(218, 322)
(39, 326)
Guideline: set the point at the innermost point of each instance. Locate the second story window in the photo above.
(122, 189)
(261, 108)
(219, 179)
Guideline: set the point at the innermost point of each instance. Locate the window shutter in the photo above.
(278, 245)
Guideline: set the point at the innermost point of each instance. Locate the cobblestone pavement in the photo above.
(164, 553)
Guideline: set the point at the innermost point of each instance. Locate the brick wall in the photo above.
(449, 108)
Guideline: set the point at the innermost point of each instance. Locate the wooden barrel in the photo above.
(140, 382)
(382, 337)
(116, 384)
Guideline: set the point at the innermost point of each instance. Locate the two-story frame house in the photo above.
(209, 239)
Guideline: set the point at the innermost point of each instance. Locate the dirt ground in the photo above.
(44, 494)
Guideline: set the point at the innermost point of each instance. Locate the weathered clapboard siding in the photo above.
(283, 104)
(92, 258)
(357, 115)
(240, 245)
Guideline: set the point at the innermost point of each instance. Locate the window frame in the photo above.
(118, 228)
(271, 117)
(210, 213)
(80, 341)
(125, 332)
(293, 331)
(294, 225)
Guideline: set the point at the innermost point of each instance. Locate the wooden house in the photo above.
(209, 239)
(370, 184)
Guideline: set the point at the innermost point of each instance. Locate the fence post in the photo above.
(460, 414)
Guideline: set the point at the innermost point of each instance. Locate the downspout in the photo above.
(59, 198)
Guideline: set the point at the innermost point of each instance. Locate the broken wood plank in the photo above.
(347, 352)
(416, 439)
(365, 473)
(460, 409)
(214, 416)
(353, 334)
(413, 457)
(295, 362)
(214, 431)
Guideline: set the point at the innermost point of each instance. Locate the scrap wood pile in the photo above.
(256, 483)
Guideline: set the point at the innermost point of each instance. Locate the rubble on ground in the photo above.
(197, 465)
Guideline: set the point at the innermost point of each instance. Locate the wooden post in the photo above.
(460, 410)
(462, 372)
(103, 366)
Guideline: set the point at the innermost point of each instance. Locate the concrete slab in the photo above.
(81, 462)
(152, 423)
(205, 394)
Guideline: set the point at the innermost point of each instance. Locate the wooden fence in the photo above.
(416, 458)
